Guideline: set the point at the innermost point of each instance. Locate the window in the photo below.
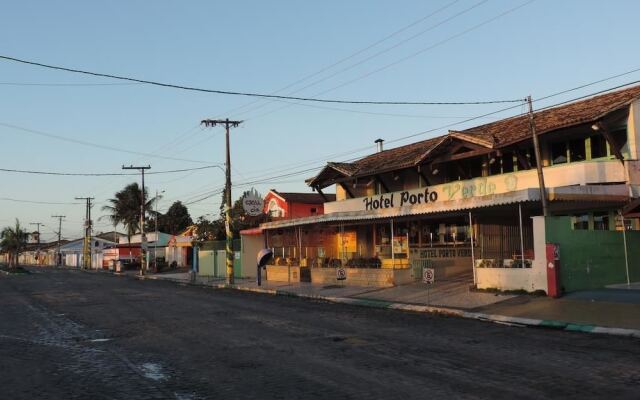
(501, 165)
(531, 156)
(601, 221)
(414, 233)
(559, 153)
(581, 221)
(620, 138)
(314, 210)
(577, 150)
(475, 167)
(507, 163)
(430, 234)
(598, 146)
(494, 165)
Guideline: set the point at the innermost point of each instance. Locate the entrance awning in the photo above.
(608, 193)
(517, 196)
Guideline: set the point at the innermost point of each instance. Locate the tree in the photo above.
(125, 208)
(239, 219)
(209, 230)
(13, 241)
(175, 220)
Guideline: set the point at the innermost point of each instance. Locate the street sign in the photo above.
(341, 274)
(252, 204)
(429, 276)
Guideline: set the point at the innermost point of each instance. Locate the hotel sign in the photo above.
(421, 198)
(400, 199)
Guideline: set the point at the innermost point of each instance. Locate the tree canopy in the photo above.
(13, 240)
(124, 208)
(175, 220)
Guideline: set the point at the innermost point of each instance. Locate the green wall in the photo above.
(592, 259)
(209, 264)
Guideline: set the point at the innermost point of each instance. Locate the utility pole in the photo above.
(86, 246)
(155, 242)
(227, 189)
(58, 254)
(143, 238)
(536, 147)
(37, 224)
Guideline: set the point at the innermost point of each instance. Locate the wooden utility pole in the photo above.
(227, 189)
(86, 247)
(536, 148)
(58, 255)
(143, 238)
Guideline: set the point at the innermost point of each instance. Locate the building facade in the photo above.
(282, 205)
(468, 203)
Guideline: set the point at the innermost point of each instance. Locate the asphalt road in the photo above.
(71, 334)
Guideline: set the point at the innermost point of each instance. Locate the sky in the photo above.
(419, 51)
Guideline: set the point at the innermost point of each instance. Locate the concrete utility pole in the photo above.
(37, 224)
(227, 188)
(536, 147)
(58, 255)
(86, 246)
(143, 238)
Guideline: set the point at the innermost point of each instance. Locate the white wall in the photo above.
(251, 246)
(529, 279)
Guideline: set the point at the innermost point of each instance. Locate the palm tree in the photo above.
(13, 241)
(125, 208)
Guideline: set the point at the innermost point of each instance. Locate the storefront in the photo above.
(468, 203)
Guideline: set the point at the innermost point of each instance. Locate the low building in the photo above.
(73, 252)
(468, 203)
(286, 205)
(179, 249)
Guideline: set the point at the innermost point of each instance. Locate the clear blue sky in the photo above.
(260, 46)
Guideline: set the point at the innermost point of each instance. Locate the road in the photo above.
(78, 335)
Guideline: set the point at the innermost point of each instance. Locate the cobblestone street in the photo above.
(69, 334)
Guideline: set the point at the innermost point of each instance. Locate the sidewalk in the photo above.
(611, 311)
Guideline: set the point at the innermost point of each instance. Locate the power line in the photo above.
(582, 97)
(386, 50)
(66, 84)
(352, 55)
(264, 180)
(104, 174)
(249, 94)
(90, 144)
(35, 201)
(433, 46)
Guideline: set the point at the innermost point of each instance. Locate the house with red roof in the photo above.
(287, 205)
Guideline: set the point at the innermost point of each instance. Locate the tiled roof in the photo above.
(511, 130)
(493, 135)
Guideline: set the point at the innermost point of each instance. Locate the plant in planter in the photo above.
(520, 264)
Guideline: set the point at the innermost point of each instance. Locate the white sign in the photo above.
(429, 276)
(252, 205)
(341, 274)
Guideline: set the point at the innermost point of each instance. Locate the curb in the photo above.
(498, 319)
